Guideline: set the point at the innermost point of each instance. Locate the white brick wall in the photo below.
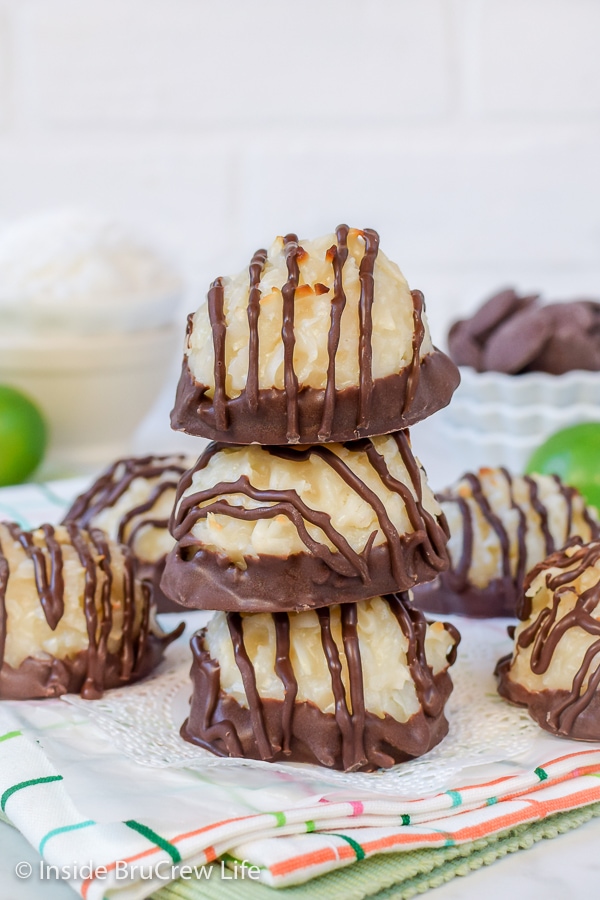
(466, 131)
(189, 62)
(5, 62)
(180, 192)
(540, 58)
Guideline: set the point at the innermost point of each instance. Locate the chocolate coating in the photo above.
(543, 706)
(441, 598)
(93, 670)
(194, 411)
(43, 678)
(573, 711)
(352, 738)
(107, 491)
(452, 592)
(207, 580)
(200, 578)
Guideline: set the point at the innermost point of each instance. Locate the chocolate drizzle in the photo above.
(110, 487)
(351, 738)
(410, 555)
(542, 512)
(563, 712)
(285, 672)
(50, 590)
(358, 755)
(312, 414)
(414, 627)
(97, 647)
(116, 480)
(365, 307)
(338, 256)
(255, 272)
(493, 520)
(216, 297)
(417, 340)
(343, 717)
(288, 291)
(234, 621)
(454, 591)
(94, 669)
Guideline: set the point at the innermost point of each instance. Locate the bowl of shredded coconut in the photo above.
(86, 329)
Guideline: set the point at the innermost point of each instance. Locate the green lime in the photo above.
(22, 436)
(574, 455)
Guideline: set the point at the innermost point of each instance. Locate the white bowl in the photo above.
(532, 389)
(499, 420)
(93, 390)
(518, 421)
(476, 449)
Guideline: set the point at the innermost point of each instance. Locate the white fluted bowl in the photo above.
(532, 389)
(499, 420)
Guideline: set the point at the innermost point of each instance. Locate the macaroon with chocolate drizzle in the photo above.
(132, 501)
(268, 529)
(310, 687)
(73, 617)
(246, 378)
(500, 526)
(555, 668)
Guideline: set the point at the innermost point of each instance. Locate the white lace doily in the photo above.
(144, 720)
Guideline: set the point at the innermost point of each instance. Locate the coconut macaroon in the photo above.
(317, 340)
(500, 526)
(555, 667)
(274, 528)
(74, 616)
(354, 686)
(132, 502)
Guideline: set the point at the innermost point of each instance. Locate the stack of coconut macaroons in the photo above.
(308, 520)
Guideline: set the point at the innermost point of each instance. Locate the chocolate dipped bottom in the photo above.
(132, 502)
(352, 687)
(501, 525)
(555, 668)
(266, 529)
(73, 618)
(309, 317)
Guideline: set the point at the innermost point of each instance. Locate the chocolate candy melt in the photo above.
(514, 335)
(200, 577)
(113, 487)
(135, 651)
(554, 670)
(301, 413)
(352, 737)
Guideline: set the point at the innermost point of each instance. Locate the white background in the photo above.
(466, 131)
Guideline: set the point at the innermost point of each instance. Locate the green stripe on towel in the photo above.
(25, 784)
(155, 839)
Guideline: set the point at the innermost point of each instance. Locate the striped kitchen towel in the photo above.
(391, 876)
(145, 828)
